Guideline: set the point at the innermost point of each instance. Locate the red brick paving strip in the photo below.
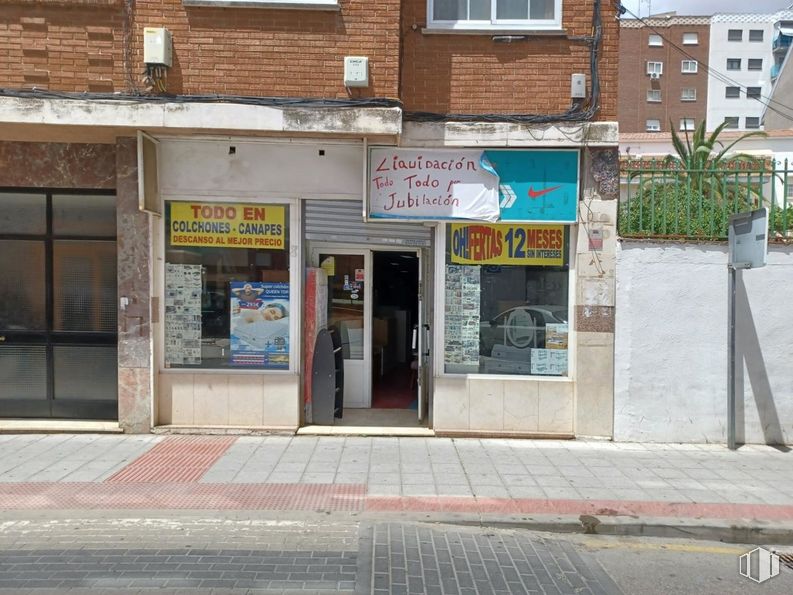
(341, 498)
(577, 507)
(196, 496)
(176, 459)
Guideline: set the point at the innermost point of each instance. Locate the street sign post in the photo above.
(748, 249)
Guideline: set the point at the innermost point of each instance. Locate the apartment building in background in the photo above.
(676, 71)
(661, 82)
(743, 54)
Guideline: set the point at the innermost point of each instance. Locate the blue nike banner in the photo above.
(538, 185)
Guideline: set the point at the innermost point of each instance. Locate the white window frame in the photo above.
(495, 24)
(654, 92)
(650, 128)
(653, 37)
(684, 124)
(269, 4)
(689, 40)
(659, 70)
(683, 94)
(688, 63)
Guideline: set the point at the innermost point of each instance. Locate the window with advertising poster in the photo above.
(227, 293)
(506, 300)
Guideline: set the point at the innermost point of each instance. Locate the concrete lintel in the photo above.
(504, 134)
(202, 117)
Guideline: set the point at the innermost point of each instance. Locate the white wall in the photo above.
(720, 50)
(671, 345)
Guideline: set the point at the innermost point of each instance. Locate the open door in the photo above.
(349, 312)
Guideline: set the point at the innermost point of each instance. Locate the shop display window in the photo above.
(506, 299)
(227, 295)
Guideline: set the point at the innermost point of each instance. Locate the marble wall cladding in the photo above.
(500, 405)
(134, 262)
(134, 400)
(241, 400)
(603, 172)
(595, 385)
(57, 165)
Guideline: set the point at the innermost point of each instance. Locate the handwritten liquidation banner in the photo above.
(432, 185)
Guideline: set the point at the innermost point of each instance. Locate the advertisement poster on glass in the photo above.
(259, 329)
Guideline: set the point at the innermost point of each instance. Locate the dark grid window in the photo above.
(58, 307)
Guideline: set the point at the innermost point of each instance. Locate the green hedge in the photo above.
(675, 210)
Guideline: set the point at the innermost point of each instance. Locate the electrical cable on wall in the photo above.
(155, 78)
(280, 102)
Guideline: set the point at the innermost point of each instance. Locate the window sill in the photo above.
(495, 32)
(330, 5)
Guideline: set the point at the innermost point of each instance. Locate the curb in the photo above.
(739, 531)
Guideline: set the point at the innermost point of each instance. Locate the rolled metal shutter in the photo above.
(341, 221)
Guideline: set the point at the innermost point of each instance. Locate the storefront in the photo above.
(504, 279)
(454, 283)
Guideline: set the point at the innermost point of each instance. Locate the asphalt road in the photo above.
(249, 552)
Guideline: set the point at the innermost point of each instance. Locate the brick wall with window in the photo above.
(683, 85)
(78, 45)
(446, 71)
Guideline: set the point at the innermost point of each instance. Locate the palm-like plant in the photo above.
(704, 162)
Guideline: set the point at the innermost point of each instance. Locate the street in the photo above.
(253, 552)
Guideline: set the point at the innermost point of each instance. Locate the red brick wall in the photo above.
(635, 52)
(75, 48)
(78, 45)
(474, 74)
(235, 51)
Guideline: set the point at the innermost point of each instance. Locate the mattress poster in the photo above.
(182, 314)
(259, 325)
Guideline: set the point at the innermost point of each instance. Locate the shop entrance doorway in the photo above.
(395, 324)
(374, 300)
(58, 312)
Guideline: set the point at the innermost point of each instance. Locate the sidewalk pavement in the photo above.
(743, 495)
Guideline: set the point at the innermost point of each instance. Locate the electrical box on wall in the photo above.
(578, 86)
(356, 71)
(157, 47)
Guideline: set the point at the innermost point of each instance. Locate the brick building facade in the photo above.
(257, 118)
(677, 95)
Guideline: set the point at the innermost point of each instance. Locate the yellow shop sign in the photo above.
(513, 243)
(227, 225)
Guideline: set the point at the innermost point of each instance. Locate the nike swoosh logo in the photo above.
(538, 193)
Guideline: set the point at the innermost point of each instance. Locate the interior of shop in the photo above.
(395, 285)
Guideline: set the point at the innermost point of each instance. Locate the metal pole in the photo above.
(731, 363)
